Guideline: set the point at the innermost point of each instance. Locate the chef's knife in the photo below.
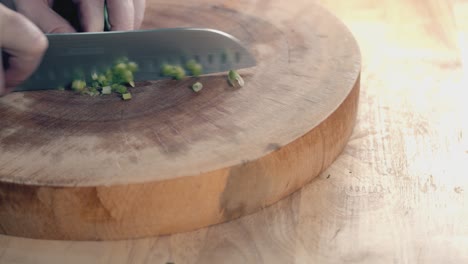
(81, 54)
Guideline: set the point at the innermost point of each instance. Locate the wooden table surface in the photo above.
(398, 193)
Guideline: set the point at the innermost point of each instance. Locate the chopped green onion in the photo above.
(118, 88)
(95, 84)
(102, 80)
(176, 72)
(120, 66)
(167, 70)
(132, 66)
(78, 85)
(127, 96)
(191, 64)
(127, 76)
(235, 79)
(92, 91)
(194, 67)
(113, 79)
(179, 73)
(106, 90)
(196, 87)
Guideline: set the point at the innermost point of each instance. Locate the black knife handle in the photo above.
(68, 10)
(5, 60)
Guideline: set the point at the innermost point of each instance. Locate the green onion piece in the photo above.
(190, 64)
(167, 70)
(106, 90)
(196, 87)
(78, 85)
(95, 84)
(122, 89)
(127, 96)
(102, 80)
(120, 66)
(120, 73)
(235, 79)
(179, 73)
(61, 88)
(92, 91)
(114, 79)
(109, 77)
(118, 88)
(132, 66)
(194, 67)
(197, 71)
(127, 76)
(176, 72)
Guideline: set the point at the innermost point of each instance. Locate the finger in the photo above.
(121, 14)
(139, 12)
(91, 14)
(43, 16)
(25, 49)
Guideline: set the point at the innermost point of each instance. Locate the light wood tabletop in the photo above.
(398, 192)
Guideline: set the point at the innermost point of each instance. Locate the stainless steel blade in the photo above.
(81, 54)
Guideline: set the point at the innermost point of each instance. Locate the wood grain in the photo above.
(398, 194)
(170, 160)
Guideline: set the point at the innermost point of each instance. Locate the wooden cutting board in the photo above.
(170, 160)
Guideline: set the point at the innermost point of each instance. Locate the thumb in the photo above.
(43, 16)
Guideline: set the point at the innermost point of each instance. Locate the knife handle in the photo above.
(107, 25)
(69, 11)
(5, 60)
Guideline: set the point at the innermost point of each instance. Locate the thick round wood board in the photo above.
(170, 160)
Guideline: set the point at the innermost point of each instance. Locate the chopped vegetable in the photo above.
(127, 96)
(120, 66)
(121, 74)
(111, 80)
(167, 70)
(92, 91)
(194, 67)
(176, 72)
(106, 90)
(109, 77)
(95, 84)
(78, 86)
(196, 87)
(118, 88)
(102, 80)
(235, 79)
(132, 66)
(179, 73)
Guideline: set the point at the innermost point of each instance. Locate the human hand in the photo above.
(123, 14)
(24, 43)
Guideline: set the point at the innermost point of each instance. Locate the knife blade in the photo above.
(81, 54)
